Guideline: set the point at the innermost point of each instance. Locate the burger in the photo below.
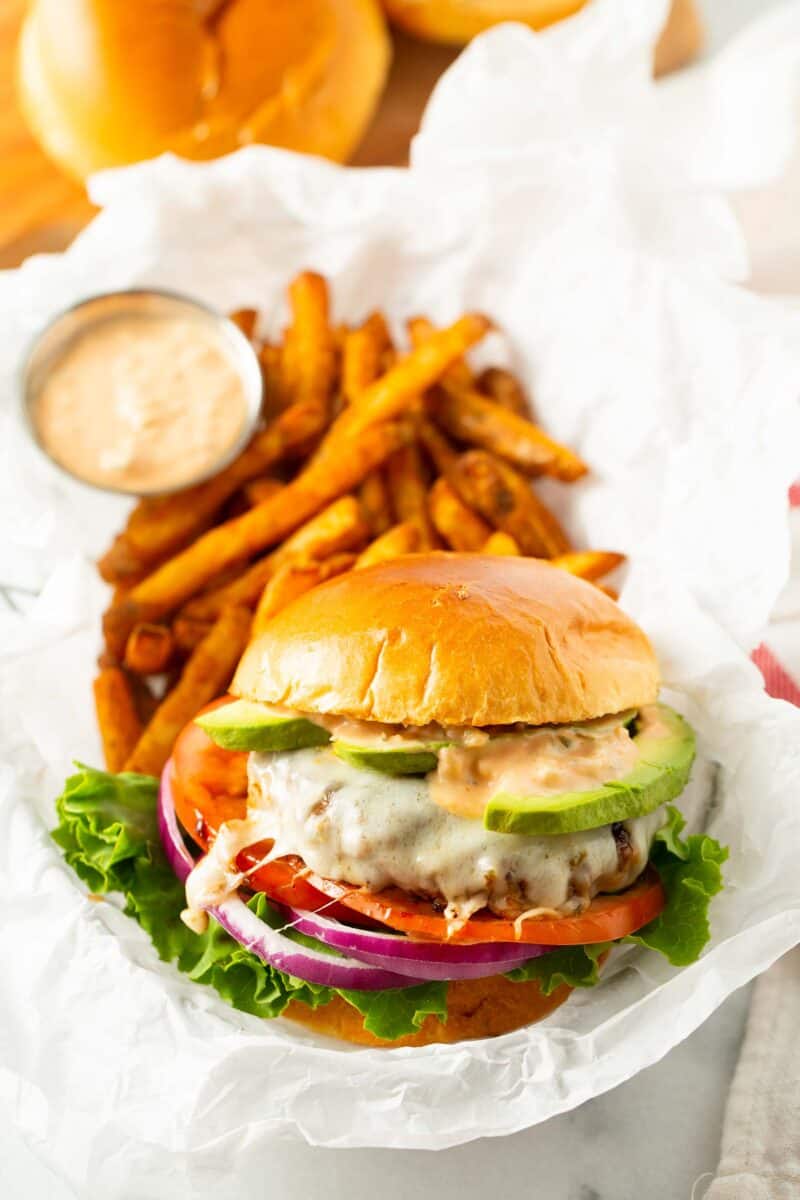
(440, 794)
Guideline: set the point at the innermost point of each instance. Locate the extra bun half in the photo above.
(107, 82)
(476, 1008)
(458, 639)
(456, 21)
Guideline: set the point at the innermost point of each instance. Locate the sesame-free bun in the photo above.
(476, 1008)
(457, 639)
(108, 82)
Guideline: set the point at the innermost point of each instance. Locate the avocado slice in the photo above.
(243, 725)
(666, 753)
(418, 758)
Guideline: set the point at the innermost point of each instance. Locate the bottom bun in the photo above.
(476, 1008)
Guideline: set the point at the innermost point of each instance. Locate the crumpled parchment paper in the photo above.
(611, 262)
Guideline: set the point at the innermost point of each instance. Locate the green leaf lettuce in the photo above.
(108, 832)
(109, 835)
(691, 873)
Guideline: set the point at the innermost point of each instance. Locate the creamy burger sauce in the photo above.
(142, 403)
(544, 762)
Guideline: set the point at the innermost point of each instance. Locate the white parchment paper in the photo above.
(613, 265)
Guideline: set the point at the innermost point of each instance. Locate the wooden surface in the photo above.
(40, 209)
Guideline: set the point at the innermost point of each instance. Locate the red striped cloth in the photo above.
(777, 680)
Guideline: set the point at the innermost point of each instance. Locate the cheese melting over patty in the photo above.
(378, 831)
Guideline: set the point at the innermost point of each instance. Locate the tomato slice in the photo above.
(210, 786)
(606, 918)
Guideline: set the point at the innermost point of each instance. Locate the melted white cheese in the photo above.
(376, 831)
(216, 877)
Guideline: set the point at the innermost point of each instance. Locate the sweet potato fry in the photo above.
(505, 499)
(245, 319)
(611, 592)
(293, 579)
(242, 538)
(376, 502)
(117, 718)
(505, 389)
(159, 526)
(455, 521)
(400, 539)
(144, 698)
(312, 340)
(274, 400)
(122, 566)
(589, 564)
(391, 395)
(501, 543)
(409, 491)
(262, 488)
(189, 632)
(435, 444)
(420, 329)
(149, 649)
(206, 675)
(338, 527)
(362, 354)
(471, 417)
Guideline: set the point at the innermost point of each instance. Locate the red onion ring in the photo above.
(255, 935)
(424, 960)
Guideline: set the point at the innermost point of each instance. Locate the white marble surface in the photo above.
(656, 1137)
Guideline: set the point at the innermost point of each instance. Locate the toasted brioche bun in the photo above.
(107, 82)
(456, 21)
(476, 1008)
(458, 639)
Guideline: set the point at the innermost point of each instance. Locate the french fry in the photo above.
(501, 543)
(400, 539)
(312, 340)
(471, 417)
(288, 370)
(294, 579)
(420, 329)
(435, 444)
(206, 675)
(504, 497)
(243, 537)
(274, 400)
(258, 490)
(145, 700)
(121, 566)
(392, 394)
(409, 491)
(159, 526)
(189, 632)
(338, 527)
(589, 564)
(362, 355)
(455, 521)
(376, 502)
(245, 319)
(611, 592)
(149, 649)
(117, 718)
(505, 389)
